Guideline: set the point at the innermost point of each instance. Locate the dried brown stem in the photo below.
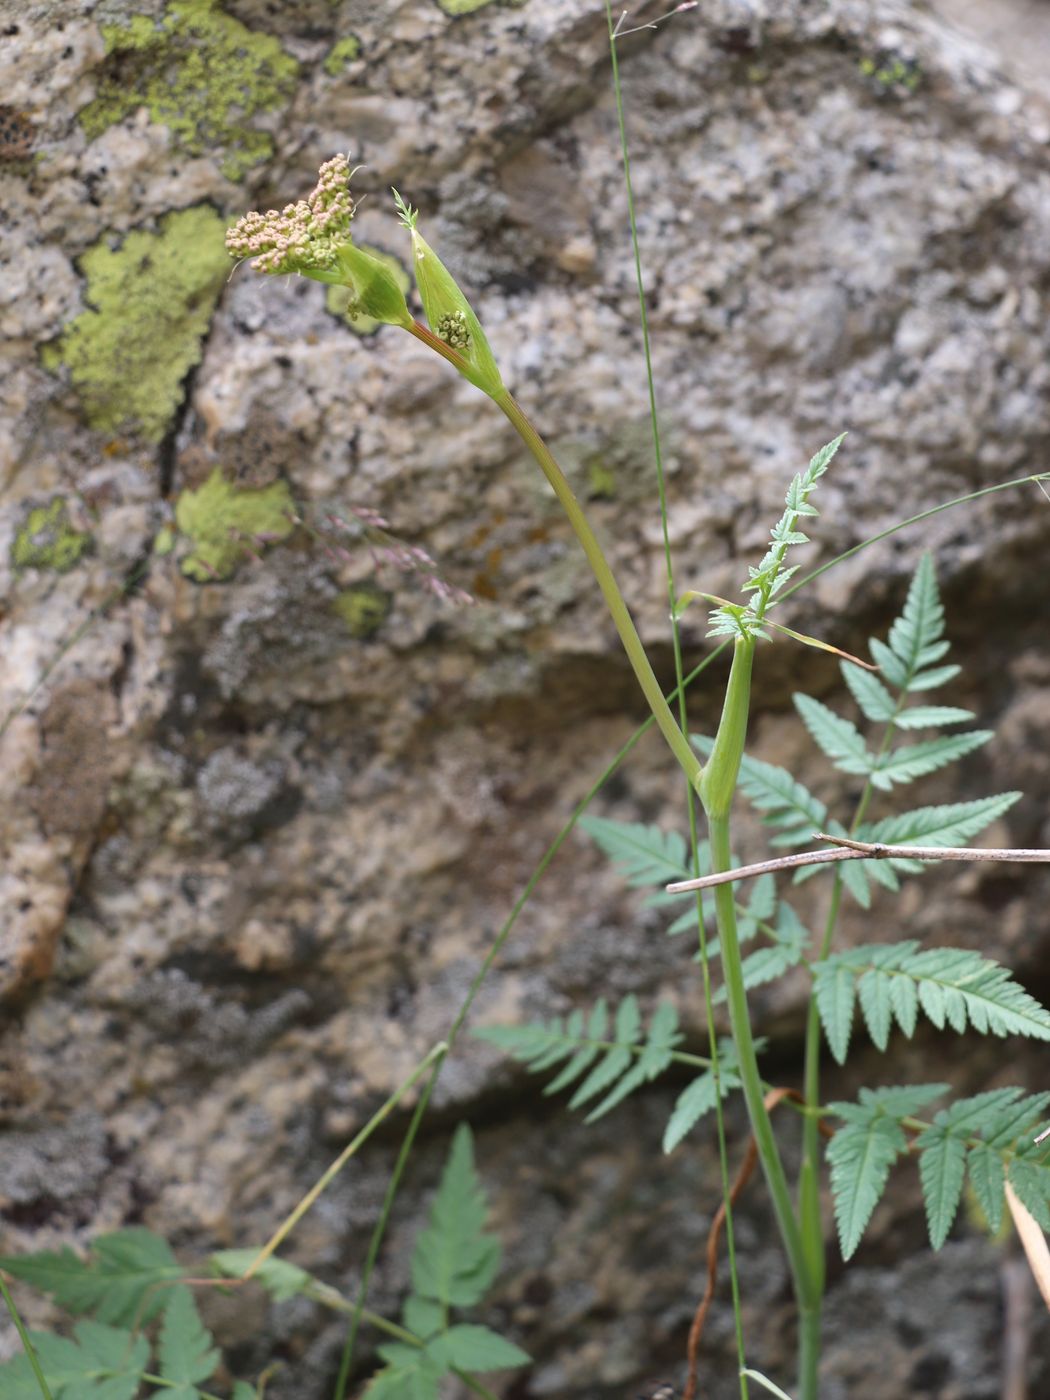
(848, 849)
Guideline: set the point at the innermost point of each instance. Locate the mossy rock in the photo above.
(150, 301)
(47, 540)
(199, 72)
(225, 524)
(364, 608)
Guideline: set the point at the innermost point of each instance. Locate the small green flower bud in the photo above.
(375, 289)
(448, 312)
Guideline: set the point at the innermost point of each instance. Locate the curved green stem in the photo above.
(632, 643)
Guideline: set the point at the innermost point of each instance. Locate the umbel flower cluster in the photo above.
(302, 237)
(312, 238)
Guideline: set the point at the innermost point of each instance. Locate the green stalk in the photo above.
(716, 793)
(750, 1078)
(27, 1344)
(632, 643)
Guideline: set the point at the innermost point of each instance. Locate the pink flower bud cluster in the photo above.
(302, 236)
(390, 552)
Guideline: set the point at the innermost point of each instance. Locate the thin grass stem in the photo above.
(26, 1340)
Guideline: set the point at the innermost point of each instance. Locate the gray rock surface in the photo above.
(262, 815)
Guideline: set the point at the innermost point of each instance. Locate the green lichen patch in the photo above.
(364, 608)
(601, 479)
(201, 73)
(467, 7)
(341, 53)
(337, 299)
(150, 301)
(47, 540)
(891, 74)
(225, 524)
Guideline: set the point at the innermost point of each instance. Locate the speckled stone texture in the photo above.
(259, 825)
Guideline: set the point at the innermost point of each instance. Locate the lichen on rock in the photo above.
(199, 72)
(342, 52)
(364, 608)
(150, 301)
(48, 539)
(224, 524)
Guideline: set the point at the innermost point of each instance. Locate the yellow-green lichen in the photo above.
(226, 524)
(467, 7)
(601, 479)
(150, 301)
(889, 73)
(337, 299)
(199, 72)
(340, 54)
(364, 608)
(47, 540)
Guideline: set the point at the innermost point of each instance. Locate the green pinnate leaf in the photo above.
(916, 635)
(835, 990)
(873, 699)
(1031, 1181)
(953, 986)
(281, 1279)
(861, 1154)
(121, 1281)
(187, 1355)
(932, 716)
(988, 1178)
(454, 1261)
(698, 1098)
(98, 1363)
(423, 1316)
(618, 1060)
(474, 1348)
(904, 765)
(412, 1375)
(655, 1057)
(942, 1166)
(952, 824)
(644, 855)
(837, 737)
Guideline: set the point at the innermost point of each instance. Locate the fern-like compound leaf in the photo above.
(873, 699)
(942, 1167)
(954, 987)
(644, 855)
(98, 1363)
(187, 1355)
(120, 1281)
(904, 765)
(861, 1154)
(950, 824)
(989, 1136)
(454, 1260)
(602, 1071)
(698, 1098)
(931, 716)
(837, 737)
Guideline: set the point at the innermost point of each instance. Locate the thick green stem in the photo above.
(806, 1292)
(809, 1353)
(632, 643)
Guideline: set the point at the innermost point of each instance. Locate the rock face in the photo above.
(264, 806)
